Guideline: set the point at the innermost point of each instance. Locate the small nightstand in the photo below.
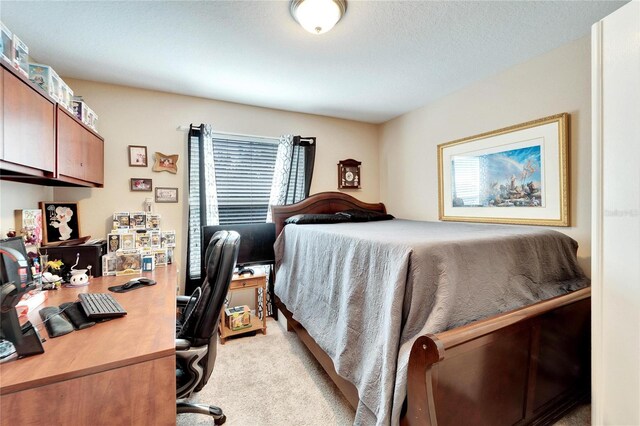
(257, 281)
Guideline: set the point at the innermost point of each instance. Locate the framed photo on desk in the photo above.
(61, 222)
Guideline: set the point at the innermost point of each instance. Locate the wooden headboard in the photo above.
(323, 202)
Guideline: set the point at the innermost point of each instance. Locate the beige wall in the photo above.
(15, 196)
(129, 116)
(558, 81)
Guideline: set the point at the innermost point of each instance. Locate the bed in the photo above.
(404, 351)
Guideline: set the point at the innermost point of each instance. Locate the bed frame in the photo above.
(528, 366)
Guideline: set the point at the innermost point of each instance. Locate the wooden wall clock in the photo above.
(349, 174)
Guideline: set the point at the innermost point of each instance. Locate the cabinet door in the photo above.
(93, 158)
(70, 147)
(29, 135)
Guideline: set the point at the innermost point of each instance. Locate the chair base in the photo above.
(210, 410)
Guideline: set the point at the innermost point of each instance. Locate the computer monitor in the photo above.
(15, 280)
(256, 242)
(15, 268)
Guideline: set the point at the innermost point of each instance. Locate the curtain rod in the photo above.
(186, 129)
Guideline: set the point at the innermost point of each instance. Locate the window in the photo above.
(244, 173)
(230, 179)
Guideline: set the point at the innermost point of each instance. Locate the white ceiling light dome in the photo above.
(317, 16)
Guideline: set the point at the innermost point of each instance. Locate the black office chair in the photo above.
(197, 329)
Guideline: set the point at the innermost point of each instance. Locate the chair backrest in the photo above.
(220, 257)
(213, 253)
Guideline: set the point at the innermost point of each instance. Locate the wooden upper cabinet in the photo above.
(69, 147)
(28, 126)
(42, 143)
(80, 152)
(93, 159)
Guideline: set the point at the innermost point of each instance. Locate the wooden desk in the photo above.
(117, 372)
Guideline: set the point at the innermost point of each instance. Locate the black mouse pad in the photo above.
(119, 289)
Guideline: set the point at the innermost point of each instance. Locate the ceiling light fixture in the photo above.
(317, 16)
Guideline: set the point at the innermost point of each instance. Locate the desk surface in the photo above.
(147, 332)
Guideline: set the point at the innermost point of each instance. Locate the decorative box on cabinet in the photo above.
(28, 128)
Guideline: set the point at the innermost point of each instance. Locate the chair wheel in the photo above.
(220, 421)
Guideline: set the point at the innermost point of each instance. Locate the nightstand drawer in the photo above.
(248, 282)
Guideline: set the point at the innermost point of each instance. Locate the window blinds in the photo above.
(244, 173)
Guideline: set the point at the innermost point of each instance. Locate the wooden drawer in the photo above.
(248, 282)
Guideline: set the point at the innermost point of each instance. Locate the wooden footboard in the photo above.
(529, 366)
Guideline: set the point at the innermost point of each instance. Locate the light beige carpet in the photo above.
(580, 416)
(273, 380)
(270, 380)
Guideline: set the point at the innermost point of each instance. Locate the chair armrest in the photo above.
(182, 344)
(182, 301)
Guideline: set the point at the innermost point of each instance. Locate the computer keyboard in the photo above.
(100, 305)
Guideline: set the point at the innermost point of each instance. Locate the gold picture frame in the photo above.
(515, 175)
(166, 163)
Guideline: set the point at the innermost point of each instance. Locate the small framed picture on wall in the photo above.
(140, 184)
(166, 195)
(137, 156)
(166, 163)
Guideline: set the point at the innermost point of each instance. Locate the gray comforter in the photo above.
(366, 291)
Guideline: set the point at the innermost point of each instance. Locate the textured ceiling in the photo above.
(381, 60)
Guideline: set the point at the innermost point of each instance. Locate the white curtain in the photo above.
(203, 200)
(281, 173)
(209, 172)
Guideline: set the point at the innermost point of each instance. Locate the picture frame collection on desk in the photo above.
(137, 243)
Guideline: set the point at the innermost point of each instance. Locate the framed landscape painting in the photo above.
(516, 175)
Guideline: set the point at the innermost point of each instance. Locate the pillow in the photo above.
(304, 219)
(357, 215)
